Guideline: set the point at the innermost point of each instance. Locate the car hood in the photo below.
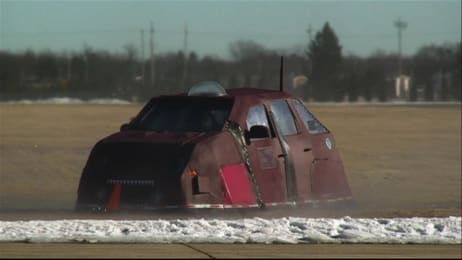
(142, 155)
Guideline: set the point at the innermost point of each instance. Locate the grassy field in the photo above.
(397, 158)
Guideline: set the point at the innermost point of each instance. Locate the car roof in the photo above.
(241, 93)
(257, 93)
(244, 98)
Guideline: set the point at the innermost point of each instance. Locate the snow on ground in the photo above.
(67, 100)
(249, 230)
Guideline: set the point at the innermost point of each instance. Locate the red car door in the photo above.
(299, 149)
(327, 176)
(264, 148)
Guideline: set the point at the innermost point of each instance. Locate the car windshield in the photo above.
(184, 114)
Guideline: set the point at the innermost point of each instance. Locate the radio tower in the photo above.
(400, 25)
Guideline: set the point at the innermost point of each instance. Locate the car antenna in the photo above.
(280, 74)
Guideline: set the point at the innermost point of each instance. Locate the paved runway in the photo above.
(24, 250)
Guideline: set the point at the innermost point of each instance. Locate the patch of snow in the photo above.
(67, 100)
(287, 230)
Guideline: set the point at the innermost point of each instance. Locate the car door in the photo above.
(327, 176)
(299, 150)
(264, 148)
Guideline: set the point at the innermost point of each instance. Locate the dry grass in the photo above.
(396, 158)
(400, 157)
(43, 149)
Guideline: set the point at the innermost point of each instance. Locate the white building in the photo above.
(402, 87)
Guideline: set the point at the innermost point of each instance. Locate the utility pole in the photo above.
(185, 54)
(69, 66)
(3, 20)
(85, 59)
(400, 25)
(142, 57)
(152, 54)
(310, 32)
(310, 36)
(309, 92)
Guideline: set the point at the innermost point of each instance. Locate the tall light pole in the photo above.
(400, 25)
(185, 54)
(309, 91)
(310, 36)
(152, 54)
(85, 60)
(69, 66)
(142, 56)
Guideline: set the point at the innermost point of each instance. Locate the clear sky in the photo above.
(362, 26)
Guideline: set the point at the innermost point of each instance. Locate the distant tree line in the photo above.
(435, 72)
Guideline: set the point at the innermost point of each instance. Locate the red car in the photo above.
(215, 148)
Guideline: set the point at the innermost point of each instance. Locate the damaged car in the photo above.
(213, 147)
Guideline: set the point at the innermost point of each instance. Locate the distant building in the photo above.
(440, 83)
(402, 87)
(299, 83)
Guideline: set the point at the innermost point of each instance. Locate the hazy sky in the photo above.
(362, 26)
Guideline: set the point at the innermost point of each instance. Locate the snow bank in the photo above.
(291, 230)
(66, 100)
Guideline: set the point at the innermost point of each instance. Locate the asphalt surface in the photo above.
(370, 251)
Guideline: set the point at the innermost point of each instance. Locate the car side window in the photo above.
(284, 117)
(257, 122)
(310, 122)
